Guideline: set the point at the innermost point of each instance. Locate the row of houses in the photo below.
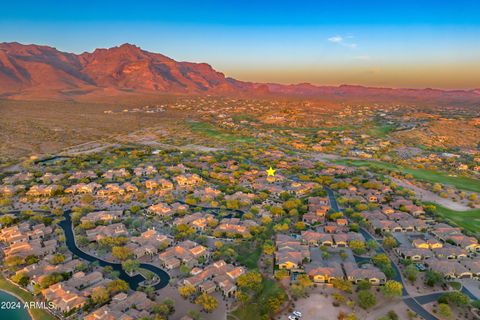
(350, 271)
(124, 306)
(314, 238)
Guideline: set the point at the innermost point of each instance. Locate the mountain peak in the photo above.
(31, 71)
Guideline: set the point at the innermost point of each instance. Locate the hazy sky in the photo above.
(422, 43)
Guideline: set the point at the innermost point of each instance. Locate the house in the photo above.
(386, 226)
(113, 230)
(162, 184)
(236, 226)
(188, 180)
(451, 269)
(187, 252)
(9, 190)
(106, 313)
(128, 187)
(79, 175)
(104, 216)
(315, 238)
(219, 275)
(324, 274)
(450, 252)
(468, 243)
(366, 272)
(413, 254)
(83, 188)
(198, 220)
(41, 190)
(80, 280)
(152, 238)
(291, 253)
(473, 266)
(148, 170)
(116, 173)
(161, 209)
(340, 239)
(111, 189)
(207, 286)
(64, 298)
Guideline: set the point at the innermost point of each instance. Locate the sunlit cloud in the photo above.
(336, 39)
(341, 41)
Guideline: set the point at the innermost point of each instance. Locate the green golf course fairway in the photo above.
(463, 183)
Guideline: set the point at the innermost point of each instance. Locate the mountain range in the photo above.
(35, 71)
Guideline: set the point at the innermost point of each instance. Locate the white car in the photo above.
(292, 318)
(297, 313)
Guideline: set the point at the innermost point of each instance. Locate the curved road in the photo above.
(411, 302)
(133, 281)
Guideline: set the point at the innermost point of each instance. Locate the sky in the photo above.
(406, 43)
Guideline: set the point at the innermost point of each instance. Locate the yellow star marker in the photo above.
(271, 172)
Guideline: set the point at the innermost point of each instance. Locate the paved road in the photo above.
(411, 302)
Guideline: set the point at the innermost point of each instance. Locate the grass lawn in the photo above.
(248, 254)
(455, 285)
(211, 131)
(252, 310)
(26, 296)
(380, 130)
(469, 220)
(463, 183)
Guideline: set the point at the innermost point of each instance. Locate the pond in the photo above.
(11, 308)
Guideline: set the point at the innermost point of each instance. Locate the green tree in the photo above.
(186, 291)
(343, 285)
(381, 260)
(130, 266)
(99, 295)
(454, 297)
(268, 247)
(117, 286)
(21, 278)
(366, 299)
(389, 242)
(364, 285)
(208, 302)
(392, 289)
(433, 278)
(57, 259)
(444, 310)
(372, 244)
(121, 253)
(250, 281)
(300, 225)
(411, 272)
(304, 281)
(357, 246)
